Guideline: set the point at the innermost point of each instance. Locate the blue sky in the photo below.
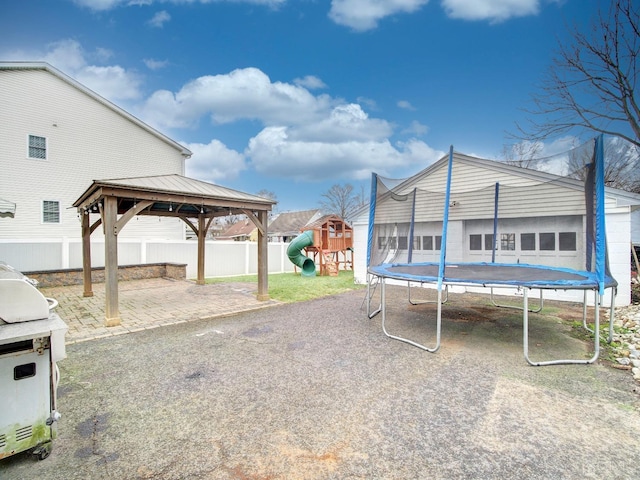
(293, 96)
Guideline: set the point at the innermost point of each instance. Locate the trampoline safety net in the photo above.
(544, 212)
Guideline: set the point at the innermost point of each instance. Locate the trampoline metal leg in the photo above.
(537, 310)
(612, 312)
(406, 340)
(525, 336)
(371, 314)
(421, 302)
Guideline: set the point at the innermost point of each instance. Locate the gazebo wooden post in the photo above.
(86, 255)
(112, 314)
(263, 264)
(202, 232)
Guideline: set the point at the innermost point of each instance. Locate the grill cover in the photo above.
(20, 300)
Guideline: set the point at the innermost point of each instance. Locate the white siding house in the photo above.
(552, 208)
(56, 137)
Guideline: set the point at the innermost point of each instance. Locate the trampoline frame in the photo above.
(488, 283)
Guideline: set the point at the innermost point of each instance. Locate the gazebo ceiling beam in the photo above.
(175, 198)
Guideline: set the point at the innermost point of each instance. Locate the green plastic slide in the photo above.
(294, 252)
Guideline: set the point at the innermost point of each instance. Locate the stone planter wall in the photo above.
(73, 276)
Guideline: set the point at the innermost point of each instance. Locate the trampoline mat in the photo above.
(532, 276)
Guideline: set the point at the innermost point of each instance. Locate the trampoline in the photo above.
(400, 214)
(488, 275)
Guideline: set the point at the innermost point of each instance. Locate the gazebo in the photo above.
(195, 202)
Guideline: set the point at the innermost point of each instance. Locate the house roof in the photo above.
(290, 223)
(242, 228)
(44, 66)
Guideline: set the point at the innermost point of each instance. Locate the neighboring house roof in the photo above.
(289, 224)
(242, 228)
(54, 71)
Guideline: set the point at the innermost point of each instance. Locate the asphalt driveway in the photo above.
(314, 390)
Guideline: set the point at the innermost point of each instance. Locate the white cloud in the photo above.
(305, 137)
(65, 55)
(418, 152)
(368, 102)
(103, 54)
(99, 5)
(155, 64)
(241, 94)
(361, 15)
(103, 5)
(112, 82)
(273, 152)
(159, 19)
(416, 128)
(404, 104)
(213, 162)
(344, 123)
(310, 81)
(493, 10)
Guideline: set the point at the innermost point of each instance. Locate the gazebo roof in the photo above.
(172, 194)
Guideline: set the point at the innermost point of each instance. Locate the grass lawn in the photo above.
(293, 287)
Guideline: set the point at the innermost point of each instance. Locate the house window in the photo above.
(507, 241)
(567, 241)
(402, 243)
(488, 241)
(527, 241)
(50, 211)
(427, 242)
(37, 147)
(416, 243)
(547, 241)
(438, 242)
(475, 242)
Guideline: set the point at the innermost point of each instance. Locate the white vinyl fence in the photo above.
(222, 258)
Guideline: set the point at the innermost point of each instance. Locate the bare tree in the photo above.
(341, 200)
(268, 194)
(622, 165)
(591, 84)
(522, 154)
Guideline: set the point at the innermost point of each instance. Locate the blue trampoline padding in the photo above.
(516, 275)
